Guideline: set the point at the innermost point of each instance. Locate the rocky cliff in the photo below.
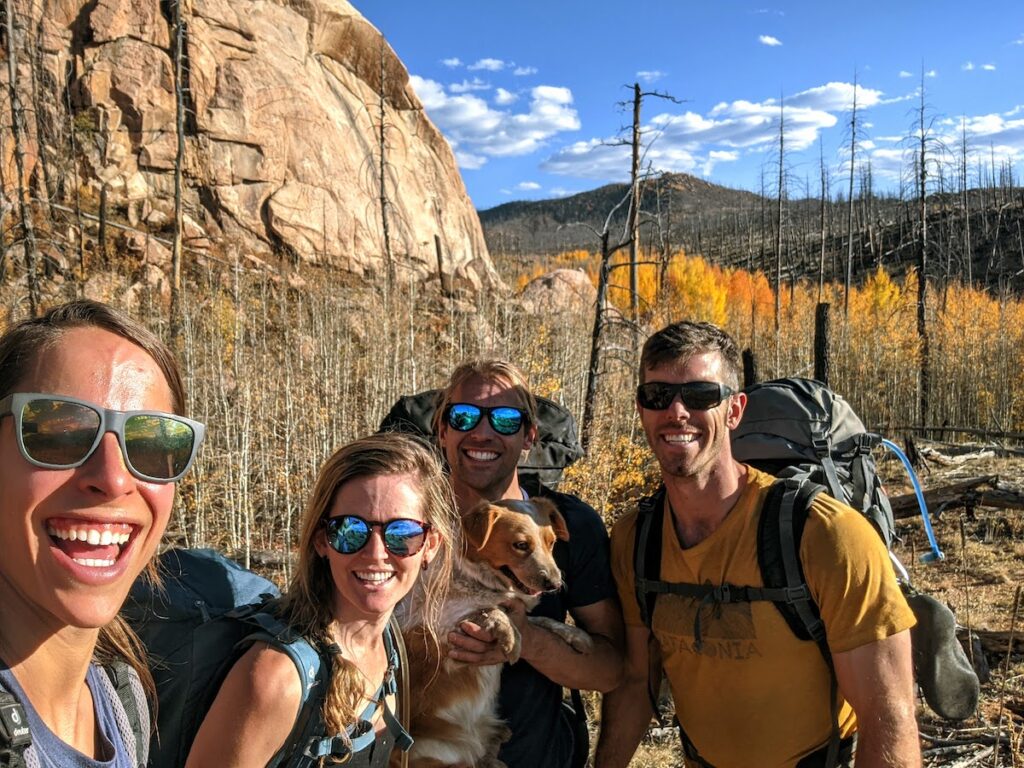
(282, 129)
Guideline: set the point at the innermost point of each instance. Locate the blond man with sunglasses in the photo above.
(487, 419)
(748, 691)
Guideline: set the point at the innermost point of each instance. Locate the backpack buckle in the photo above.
(797, 594)
(821, 445)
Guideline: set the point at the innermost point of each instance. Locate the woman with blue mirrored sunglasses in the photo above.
(92, 441)
(380, 519)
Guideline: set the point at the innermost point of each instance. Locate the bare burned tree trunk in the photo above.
(634, 210)
(849, 215)
(821, 224)
(79, 223)
(965, 203)
(594, 367)
(18, 129)
(382, 176)
(922, 262)
(778, 232)
(179, 162)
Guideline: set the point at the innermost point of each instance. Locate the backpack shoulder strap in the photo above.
(647, 553)
(314, 674)
(404, 741)
(15, 737)
(780, 531)
(125, 682)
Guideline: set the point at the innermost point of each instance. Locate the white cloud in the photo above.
(650, 75)
(1019, 40)
(491, 65)
(561, 192)
(527, 186)
(694, 142)
(468, 161)
(503, 97)
(521, 71)
(453, 62)
(989, 67)
(834, 97)
(769, 40)
(1000, 138)
(717, 156)
(478, 132)
(904, 73)
(931, 73)
(967, 66)
(466, 86)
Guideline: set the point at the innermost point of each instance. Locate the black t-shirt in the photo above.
(529, 702)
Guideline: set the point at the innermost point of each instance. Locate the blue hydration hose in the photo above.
(936, 553)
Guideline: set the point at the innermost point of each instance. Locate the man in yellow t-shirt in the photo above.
(748, 692)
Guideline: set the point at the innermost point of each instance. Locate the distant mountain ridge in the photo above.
(543, 226)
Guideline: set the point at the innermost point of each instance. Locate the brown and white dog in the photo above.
(506, 553)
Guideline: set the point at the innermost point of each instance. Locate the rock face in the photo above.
(560, 291)
(282, 129)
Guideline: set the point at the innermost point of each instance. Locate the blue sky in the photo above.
(528, 93)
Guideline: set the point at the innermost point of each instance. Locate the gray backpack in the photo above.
(800, 428)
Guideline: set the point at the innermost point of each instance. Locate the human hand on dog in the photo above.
(473, 643)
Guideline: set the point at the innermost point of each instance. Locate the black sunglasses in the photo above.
(504, 419)
(347, 534)
(58, 432)
(696, 395)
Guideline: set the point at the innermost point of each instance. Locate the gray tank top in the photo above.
(48, 751)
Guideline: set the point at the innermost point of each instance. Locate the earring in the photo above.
(425, 564)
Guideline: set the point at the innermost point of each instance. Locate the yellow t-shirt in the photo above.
(754, 694)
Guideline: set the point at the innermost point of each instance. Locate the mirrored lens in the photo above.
(404, 537)
(158, 446)
(506, 421)
(58, 432)
(463, 417)
(347, 534)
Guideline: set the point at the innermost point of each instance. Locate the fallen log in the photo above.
(994, 641)
(961, 494)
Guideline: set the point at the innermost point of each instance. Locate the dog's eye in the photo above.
(521, 546)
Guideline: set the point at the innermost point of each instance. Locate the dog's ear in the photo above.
(557, 521)
(479, 523)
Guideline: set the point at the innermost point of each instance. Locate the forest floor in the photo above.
(980, 578)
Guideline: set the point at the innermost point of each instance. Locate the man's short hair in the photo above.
(493, 370)
(680, 341)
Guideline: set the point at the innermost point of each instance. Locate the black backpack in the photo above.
(195, 625)
(811, 439)
(15, 737)
(557, 446)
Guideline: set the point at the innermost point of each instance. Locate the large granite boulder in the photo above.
(282, 136)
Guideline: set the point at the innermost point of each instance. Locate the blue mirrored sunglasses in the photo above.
(347, 534)
(504, 419)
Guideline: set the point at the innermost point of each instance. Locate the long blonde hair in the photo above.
(307, 605)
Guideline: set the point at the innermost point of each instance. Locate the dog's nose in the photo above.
(551, 585)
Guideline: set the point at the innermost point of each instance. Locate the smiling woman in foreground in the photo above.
(92, 442)
(380, 514)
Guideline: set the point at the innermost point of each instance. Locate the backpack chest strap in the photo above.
(711, 595)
